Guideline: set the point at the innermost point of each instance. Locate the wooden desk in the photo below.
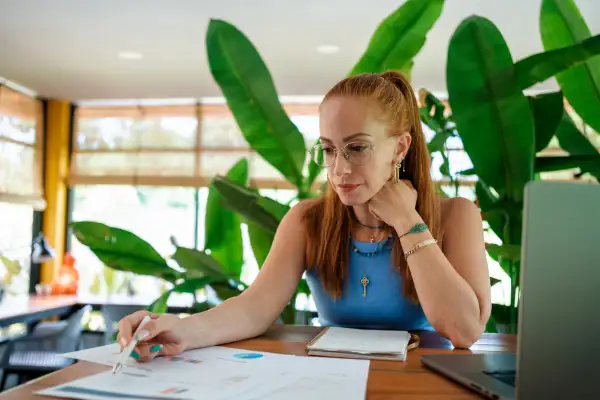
(387, 379)
(27, 309)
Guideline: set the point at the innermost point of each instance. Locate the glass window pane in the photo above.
(153, 213)
(454, 142)
(261, 169)
(219, 162)
(15, 244)
(105, 133)
(129, 164)
(460, 161)
(221, 131)
(309, 126)
(17, 169)
(22, 130)
(128, 133)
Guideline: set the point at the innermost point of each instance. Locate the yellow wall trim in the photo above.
(58, 129)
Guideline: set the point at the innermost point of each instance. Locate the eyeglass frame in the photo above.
(346, 156)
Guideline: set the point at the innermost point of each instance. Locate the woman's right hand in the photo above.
(160, 336)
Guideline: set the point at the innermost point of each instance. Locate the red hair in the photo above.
(328, 221)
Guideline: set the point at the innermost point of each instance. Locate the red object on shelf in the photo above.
(67, 279)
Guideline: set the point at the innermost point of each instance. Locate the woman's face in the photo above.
(352, 127)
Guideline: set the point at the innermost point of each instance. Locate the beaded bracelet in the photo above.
(419, 245)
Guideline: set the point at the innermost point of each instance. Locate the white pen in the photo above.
(126, 353)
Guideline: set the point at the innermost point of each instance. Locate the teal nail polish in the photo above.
(135, 355)
(155, 348)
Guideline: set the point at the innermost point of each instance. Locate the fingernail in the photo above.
(143, 334)
(123, 342)
(155, 348)
(135, 355)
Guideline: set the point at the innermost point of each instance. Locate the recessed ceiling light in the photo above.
(130, 55)
(328, 49)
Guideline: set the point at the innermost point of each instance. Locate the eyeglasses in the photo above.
(357, 153)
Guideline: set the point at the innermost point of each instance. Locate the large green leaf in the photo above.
(497, 129)
(542, 66)
(199, 264)
(490, 326)
(122, 250)
(399, 37)
(561, 25)
(225, 290)
(247, 203)
(313, 173)
(159, 305)
(574, 142)
(559, 163)
(261, 241)
(509, 252)
(223, 235)
(490, 212)
(276, 209)
(247, 85)
(547, 109)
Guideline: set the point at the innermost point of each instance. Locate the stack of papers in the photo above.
(217, 373)
(360, 343)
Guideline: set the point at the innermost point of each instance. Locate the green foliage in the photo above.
(399, 38)
(124, 251)
(502, 129)
(248, 87)
(222, 230)
(562, 25)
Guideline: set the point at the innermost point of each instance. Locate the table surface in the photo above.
(387, 379)
(13, 308)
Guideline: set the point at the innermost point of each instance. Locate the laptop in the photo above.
(558, 339)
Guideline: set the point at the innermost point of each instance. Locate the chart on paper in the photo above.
(219, 373)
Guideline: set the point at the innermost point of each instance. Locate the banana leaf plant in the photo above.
(502, 130)
(122, 250)
(562, 25)
(433, 113)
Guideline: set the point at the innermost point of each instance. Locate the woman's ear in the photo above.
(402, 145)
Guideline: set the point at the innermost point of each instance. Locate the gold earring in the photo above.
(404, 165)
(397, 172)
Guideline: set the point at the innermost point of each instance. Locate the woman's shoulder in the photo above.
(302, 209)
(457, 211)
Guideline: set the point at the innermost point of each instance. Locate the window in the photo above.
(153, 213)
(16, 221)
(20, 149)
(21, 190)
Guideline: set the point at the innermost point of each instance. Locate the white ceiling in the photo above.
(68, 48)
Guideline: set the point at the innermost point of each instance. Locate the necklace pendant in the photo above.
(365, 282)
(372, 240)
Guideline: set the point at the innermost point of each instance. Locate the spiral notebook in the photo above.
(362, 343)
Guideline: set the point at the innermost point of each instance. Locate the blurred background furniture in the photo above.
(112, 314)
(39, 352)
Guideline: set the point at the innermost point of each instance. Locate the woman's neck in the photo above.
(365, 217)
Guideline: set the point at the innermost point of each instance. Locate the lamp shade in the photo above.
(41, 251)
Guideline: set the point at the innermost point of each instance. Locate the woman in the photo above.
(380, 249)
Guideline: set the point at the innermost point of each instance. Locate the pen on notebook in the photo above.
(127, 350)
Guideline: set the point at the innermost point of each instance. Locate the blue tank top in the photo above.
(383, 307)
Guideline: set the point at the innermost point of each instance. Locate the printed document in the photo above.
(217, 373)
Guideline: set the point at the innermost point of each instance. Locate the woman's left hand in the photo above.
(394, 203)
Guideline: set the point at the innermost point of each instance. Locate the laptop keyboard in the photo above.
(508, 377)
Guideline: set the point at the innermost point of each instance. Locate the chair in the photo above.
(38, 354)
(112, 314)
